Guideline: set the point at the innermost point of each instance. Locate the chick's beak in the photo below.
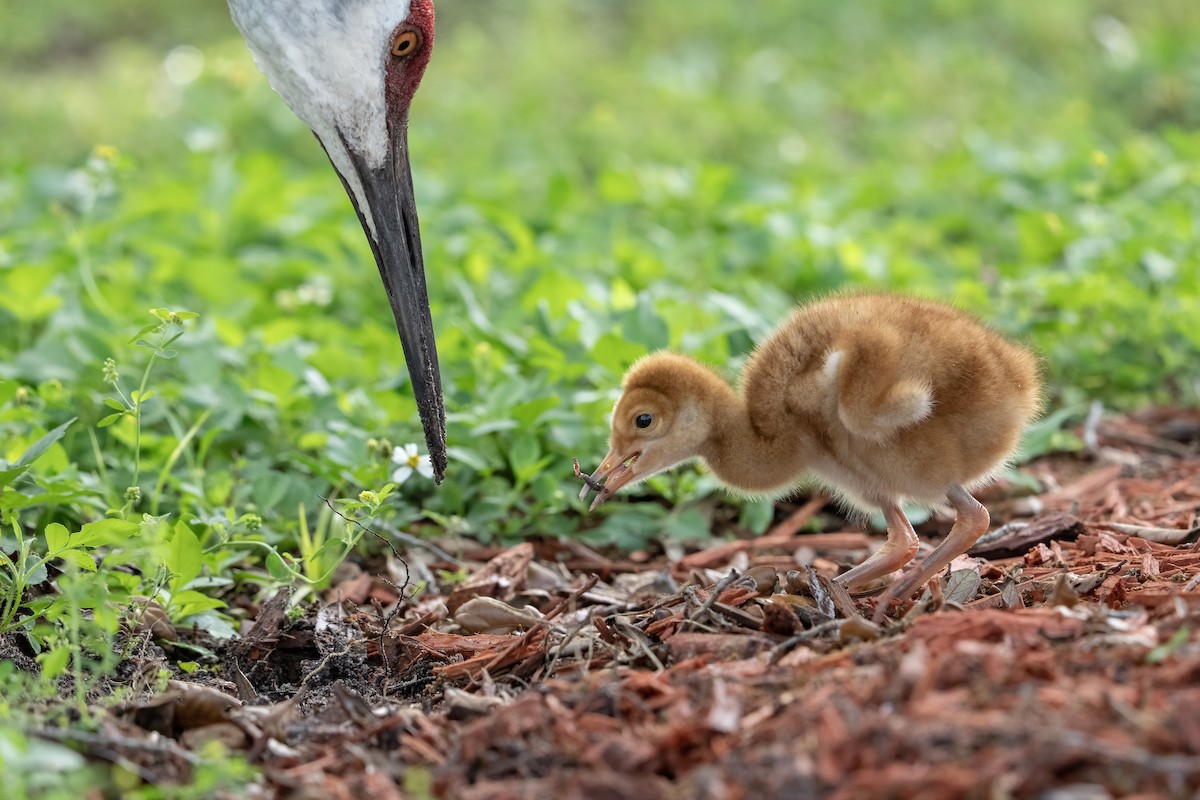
(615, 472)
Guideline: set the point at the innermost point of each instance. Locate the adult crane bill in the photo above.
(396, 244)
(348, 69)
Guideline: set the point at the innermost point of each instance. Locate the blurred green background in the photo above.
(595, 180)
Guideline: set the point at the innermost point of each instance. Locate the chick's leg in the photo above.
(971, 523)
(899, 549)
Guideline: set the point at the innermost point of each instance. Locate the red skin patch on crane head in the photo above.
(420, 15)
(404, 74)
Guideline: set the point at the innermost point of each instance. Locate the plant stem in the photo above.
(88, 278)
(20, 579)
(175, 454)
(100, 468)
(137, 419)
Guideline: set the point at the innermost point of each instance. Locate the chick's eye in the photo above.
(406, 43)
(643, 420)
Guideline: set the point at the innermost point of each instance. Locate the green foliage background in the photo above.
(595, 180)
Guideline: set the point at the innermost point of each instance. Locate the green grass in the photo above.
(595, 181)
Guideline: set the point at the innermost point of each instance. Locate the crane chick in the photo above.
(882, 398)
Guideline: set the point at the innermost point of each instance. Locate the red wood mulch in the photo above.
(1064, 654)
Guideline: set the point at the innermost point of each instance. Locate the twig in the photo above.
(784, 647)
(571, 634)
(1156, 443)
(380, 537)
(721, 586)
(385, 621)
(407, 538)
(639, 639)
(320, 666)
(737, 616)
(641, 642)
(792, 524)
(782, 535)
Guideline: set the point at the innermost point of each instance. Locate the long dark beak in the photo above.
(397, 247)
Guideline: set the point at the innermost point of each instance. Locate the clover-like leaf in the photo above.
(79, 558)
(57, 537)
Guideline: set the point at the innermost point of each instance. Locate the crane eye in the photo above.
(406, 43)
(643, 420)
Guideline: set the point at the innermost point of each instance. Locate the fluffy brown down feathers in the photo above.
(883, 398)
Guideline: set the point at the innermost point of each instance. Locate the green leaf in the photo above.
(57, 537)
(1164, 650)
(1047, 435)
(527, 413)
(690, 523)
(333, 550)
(109, 420)
(137, 337)
(467, 456)
(113, 403)
(54, 661)
(214, 625)
(615, 353)
(183, 556)
(79, 558)
(278, 570)
(43, 444)
(104, 532)
(36, 568)
(8, 475)
(525, 457)
(757, 515)
(189, 601)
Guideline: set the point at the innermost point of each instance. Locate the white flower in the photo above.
(410, 461)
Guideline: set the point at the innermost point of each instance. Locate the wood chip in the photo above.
(1017, 540)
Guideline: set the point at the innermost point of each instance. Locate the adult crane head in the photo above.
(349, 69)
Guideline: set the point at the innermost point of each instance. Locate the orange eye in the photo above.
(406, 43)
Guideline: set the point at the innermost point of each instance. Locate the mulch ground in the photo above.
(1061, 658)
